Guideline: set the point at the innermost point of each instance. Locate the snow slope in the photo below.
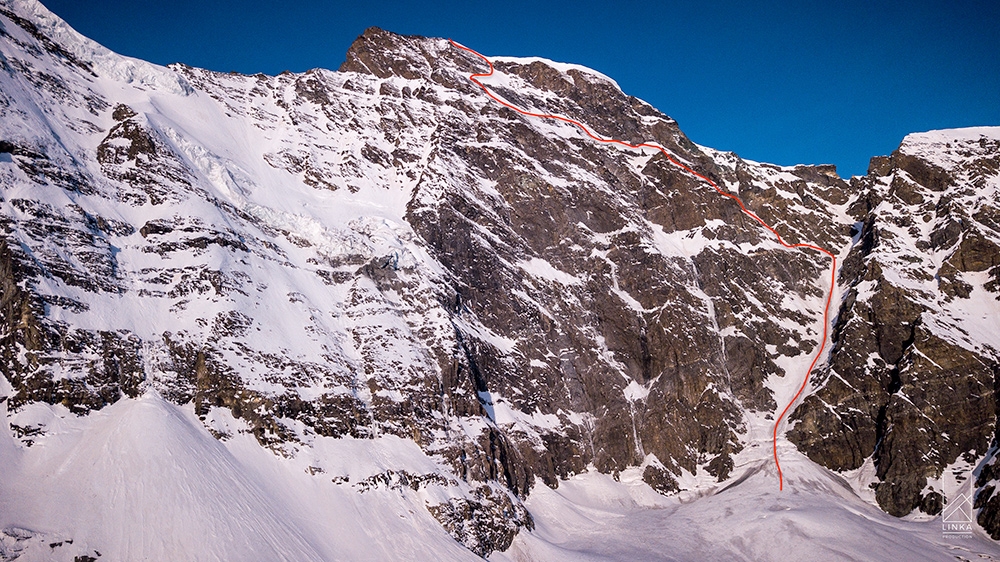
(368, 315)
(144, 480)
(592, 517)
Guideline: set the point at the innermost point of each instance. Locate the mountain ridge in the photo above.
(382, 253)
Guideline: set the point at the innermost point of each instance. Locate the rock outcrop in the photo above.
(911, 381)
(384, 250)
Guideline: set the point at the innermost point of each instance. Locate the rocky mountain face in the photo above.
(911, 381)
(385, 251)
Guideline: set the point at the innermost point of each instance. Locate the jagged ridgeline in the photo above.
(383, 254)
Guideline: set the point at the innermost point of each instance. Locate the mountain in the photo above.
(374, 314)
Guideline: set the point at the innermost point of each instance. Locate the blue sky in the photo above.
(783, 82)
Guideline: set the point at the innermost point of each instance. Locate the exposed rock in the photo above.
(385, 250)
(899, 388)
(484, 524)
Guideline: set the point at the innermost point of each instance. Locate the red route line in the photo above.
(833, 267)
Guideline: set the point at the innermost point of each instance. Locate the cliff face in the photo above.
(385, 251)
(911, 382)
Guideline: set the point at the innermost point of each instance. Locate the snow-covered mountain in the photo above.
(373, 314)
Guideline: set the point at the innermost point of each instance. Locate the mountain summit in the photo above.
(373, 314)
